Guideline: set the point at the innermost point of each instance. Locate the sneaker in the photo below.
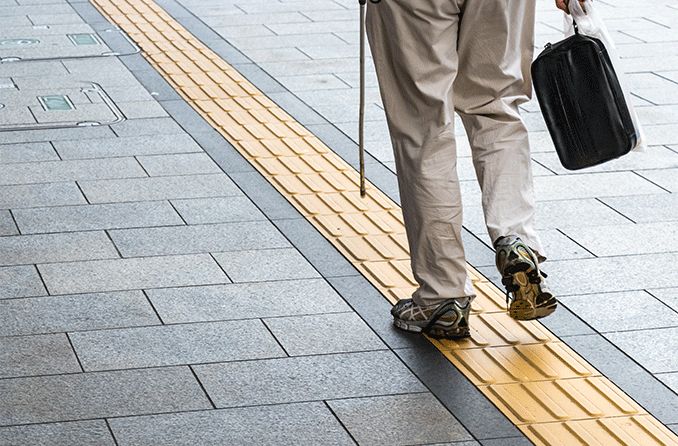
(447, 320)
(527, 295)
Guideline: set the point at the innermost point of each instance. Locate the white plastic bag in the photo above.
(591, 24)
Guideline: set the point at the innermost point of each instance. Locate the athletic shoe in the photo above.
(447, 320)
(527, 295)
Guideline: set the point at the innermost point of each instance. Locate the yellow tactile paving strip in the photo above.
(552, 394)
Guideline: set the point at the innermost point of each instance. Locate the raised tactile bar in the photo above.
(553, 395)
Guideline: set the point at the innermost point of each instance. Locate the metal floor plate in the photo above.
(34, 43)
(72, 104)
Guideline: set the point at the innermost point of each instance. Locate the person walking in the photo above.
(434, 58)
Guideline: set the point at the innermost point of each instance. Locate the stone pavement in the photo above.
(610, 231)
(155, 290)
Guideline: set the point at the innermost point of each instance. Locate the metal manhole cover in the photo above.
(25, 43)
(8, 43)
(75, 104)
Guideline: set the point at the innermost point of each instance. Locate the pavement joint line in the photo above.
(322, 187)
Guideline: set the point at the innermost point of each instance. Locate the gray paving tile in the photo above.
(667, 295)
(246, 300)
(141, 109)
(457, 393)
(656, 157)
(604, 184)
(189, 119)
(641, 238)
(130, 274)
(652, 208)
(159, 188)
(96, 216)
(99, 395)
(175, 345)
(265, 264)
(280, 425)
(261, 192)
(196, 239)
(660, 358)
(20, 281)
(32, 195)
(222, 152)
(81, 433)
(568, 277)
(512, 441)
(666, 178)
(150, 126)
(631, 310)
(670, 379)
(52, 314)
(7, 226)
(217, 210)
(315, 248)
(398, 420)
(637, 382)
(306, 378)
(181, 164)
(54, 171)
(130, 146)
(325, 333)
(36, 355)
(31, 152)
(63, 247)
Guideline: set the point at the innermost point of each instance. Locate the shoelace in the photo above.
(533, 277)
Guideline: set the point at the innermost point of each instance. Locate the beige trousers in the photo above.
(435, 57)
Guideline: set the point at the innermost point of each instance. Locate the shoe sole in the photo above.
(524, 309)
(435, 331)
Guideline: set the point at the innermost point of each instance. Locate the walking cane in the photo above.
(361, 115)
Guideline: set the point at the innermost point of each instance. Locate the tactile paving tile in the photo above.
(548, 390)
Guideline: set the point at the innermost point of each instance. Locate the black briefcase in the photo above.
(582, 102)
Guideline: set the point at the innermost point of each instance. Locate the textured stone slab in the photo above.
(197, 239)
(130, 146)
(93, 217)
(217, 210)
(281, 425)
(558, 214)
(399, 419)
(667, 295)
(175, 345)
(605, 184)
(661, 357)
(31, 152)
(32, 195)
(65, 247)
(52, 314)
(631, 310)
(670, 379)
(81, 433)
(651, 208)
(265, 264)
(568, 277)
(324, 333)
(130, 274)
(149, 126)
(306, 378)
(655, 157)
(181, 164)
(54, 171)
(99, 395)
(628, 239)
(246, 300)
(20, 281)
(159, 188)
(7, 226)
(36, 355)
